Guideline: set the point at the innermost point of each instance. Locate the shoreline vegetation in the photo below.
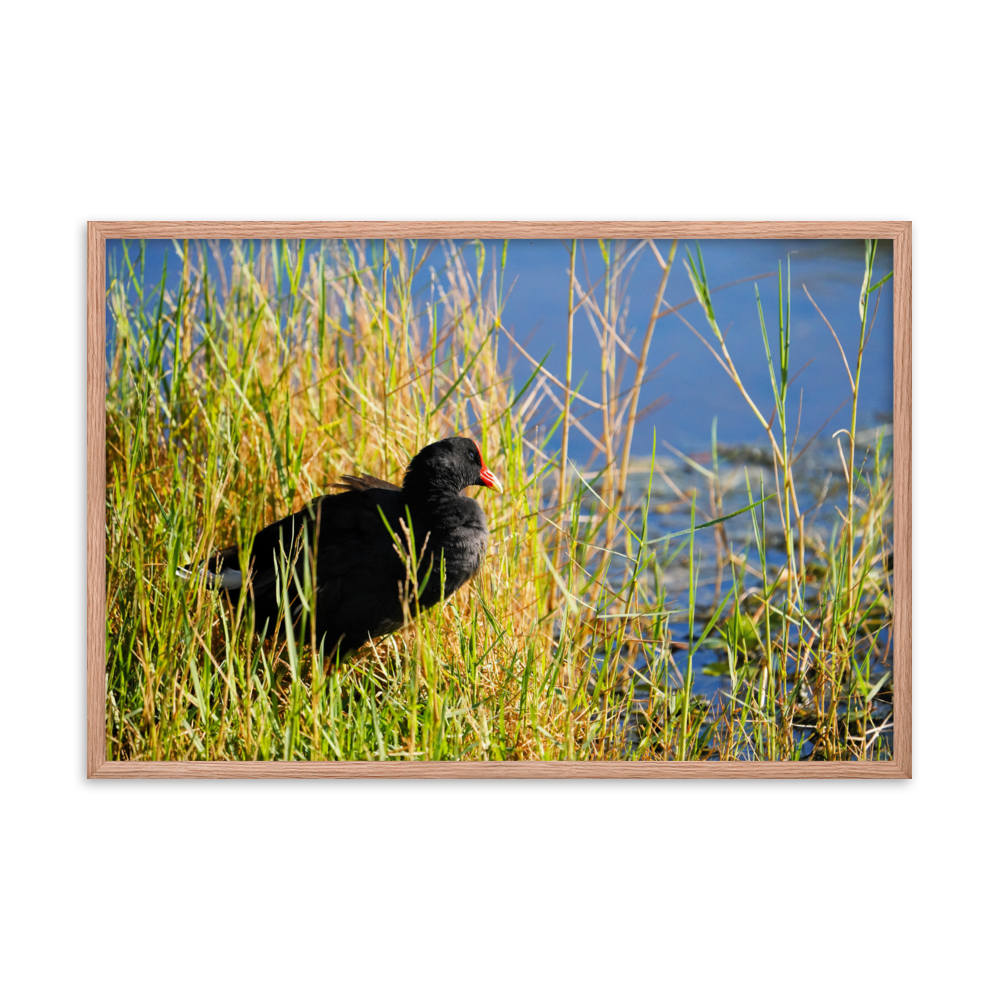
(269, 370)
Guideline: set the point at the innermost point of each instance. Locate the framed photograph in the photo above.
(499, 499)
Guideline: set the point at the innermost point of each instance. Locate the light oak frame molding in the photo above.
(899, 232)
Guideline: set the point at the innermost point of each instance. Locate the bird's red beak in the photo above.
(486, 478)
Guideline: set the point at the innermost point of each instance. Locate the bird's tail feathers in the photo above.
(227, 579)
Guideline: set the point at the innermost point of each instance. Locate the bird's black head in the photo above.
(445, 468)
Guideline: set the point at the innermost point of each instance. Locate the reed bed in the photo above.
(267, 370)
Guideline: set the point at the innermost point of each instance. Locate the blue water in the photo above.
(696, 388)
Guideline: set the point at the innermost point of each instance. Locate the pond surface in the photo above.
(820, 485)
(695, 387)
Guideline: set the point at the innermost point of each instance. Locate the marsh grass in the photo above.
(264, 373)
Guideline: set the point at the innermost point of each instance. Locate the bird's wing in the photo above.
(275, 550)
(358, 572)
(342, 543)
(350, 529)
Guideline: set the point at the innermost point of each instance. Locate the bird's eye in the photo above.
(472, 455)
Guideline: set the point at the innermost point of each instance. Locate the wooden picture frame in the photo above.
(99, 232)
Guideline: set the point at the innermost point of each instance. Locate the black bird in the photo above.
(343, 543)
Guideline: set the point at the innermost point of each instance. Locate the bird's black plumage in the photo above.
(346, 545)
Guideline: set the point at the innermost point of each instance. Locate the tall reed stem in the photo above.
(564, 453)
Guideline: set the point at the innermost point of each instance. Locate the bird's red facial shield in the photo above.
(486, 478)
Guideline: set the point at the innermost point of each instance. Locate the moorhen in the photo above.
(358, 576)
